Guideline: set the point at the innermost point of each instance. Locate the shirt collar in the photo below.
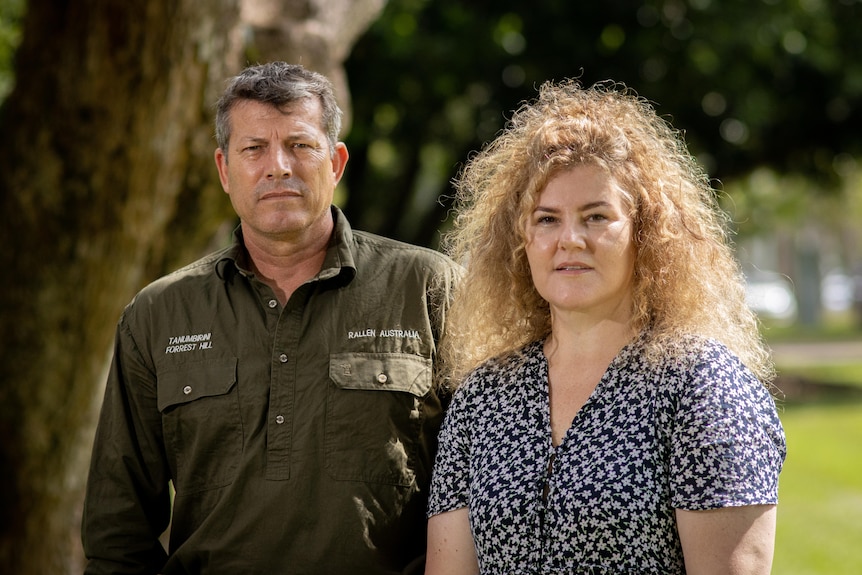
(338, 263)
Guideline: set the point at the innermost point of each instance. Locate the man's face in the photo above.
(278, 169)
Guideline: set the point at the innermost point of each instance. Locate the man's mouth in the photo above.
(278, 194)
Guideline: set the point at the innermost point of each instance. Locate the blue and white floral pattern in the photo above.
(695, 432)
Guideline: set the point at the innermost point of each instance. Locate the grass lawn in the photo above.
(820, 491)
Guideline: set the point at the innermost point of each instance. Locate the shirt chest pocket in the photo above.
(201, 422)
(375, 415)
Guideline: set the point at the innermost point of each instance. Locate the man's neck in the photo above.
(284, 265)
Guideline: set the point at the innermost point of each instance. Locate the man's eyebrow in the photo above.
(252, 139)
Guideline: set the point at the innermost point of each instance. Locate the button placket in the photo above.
(285, 325)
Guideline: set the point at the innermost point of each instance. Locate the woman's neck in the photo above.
(582, 338)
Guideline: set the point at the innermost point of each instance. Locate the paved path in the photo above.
(802, 389)
(821, 352)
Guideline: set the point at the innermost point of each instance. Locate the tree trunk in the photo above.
(107, 178)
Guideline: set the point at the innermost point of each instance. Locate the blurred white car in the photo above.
(837, 291)
(771, 296)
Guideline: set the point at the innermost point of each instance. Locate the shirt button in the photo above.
(382, 378)
(279, 419)
(283, 358)
(187, 389)
(272, 303)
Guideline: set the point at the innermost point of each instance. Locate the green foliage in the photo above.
(820, 491)
(765, 201)
(11, 12)
(775, 83)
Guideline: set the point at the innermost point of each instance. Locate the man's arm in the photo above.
(127, 503)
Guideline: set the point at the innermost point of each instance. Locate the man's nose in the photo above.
(280, 165)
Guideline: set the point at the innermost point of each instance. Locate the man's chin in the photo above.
(292, 226)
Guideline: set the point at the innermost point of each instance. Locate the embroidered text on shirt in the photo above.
(184, 343)
(405, 333)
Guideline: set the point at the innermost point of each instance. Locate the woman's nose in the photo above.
(572, 236)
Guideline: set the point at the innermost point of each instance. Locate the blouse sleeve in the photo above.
(727, 442)
(451, 476)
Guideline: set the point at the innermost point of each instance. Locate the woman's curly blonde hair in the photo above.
(686, 279)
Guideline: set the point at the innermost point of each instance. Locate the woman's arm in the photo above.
(451, 550)
(728, 541)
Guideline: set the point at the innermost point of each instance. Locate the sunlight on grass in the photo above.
(820, 493)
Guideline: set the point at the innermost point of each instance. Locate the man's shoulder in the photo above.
(368, 243)
(193, 276)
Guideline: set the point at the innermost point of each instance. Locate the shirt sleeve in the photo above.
(127, 502)
(451, 477)
(727, 443)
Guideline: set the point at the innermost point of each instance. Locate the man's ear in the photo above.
(221, 166)
(339, 161)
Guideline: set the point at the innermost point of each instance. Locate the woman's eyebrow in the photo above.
(583, 208)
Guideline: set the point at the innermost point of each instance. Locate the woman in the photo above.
(614, 414)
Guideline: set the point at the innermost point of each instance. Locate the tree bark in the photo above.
(107, 179)
(315, 33)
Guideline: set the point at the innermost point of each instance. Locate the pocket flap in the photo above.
(381, 372)
(196, 379)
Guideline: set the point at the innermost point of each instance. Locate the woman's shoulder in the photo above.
(695, 364)
(689, 361)
(686, 351)
(524, 357)
(506, 368)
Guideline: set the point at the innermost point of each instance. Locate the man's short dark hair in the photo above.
(278, 84)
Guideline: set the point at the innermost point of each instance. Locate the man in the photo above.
(282, 386)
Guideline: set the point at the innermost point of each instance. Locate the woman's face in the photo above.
(579, 245)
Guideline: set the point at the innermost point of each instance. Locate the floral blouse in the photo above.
(695, 432)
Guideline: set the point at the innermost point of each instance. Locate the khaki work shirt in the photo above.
(299, 439)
